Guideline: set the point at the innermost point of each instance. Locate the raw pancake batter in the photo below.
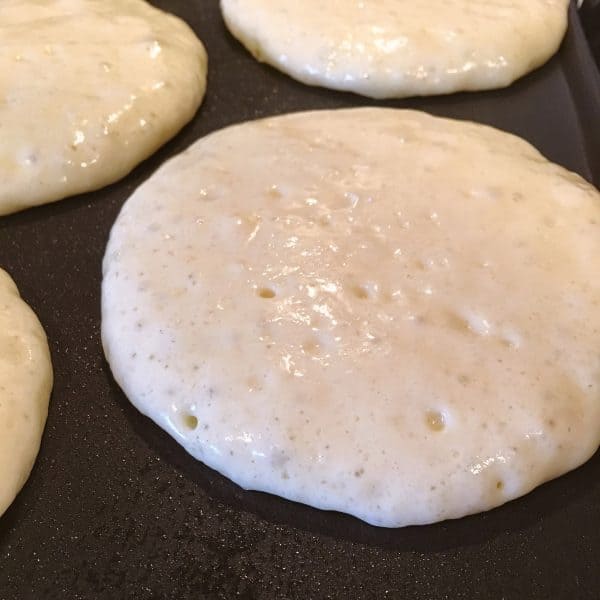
(397, 48)
(88, 89)
(25, 384)
(374, 311)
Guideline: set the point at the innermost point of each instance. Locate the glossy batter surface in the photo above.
(374, 311)
(88, 89)
(397, 48)
(25, 384)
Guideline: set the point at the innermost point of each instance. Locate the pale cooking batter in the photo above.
(88, 89)
(374, 311)
(397, 48)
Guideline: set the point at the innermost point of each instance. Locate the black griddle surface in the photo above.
(115, 508)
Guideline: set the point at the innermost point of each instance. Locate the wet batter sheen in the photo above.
(25, 384)
(396, 48)
(373, 310)
(88, 89)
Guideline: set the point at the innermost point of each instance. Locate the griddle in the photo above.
(115, 508)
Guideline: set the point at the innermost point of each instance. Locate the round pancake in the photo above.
(25, 385)
(89, 89)
(398, 48)
(372, 310)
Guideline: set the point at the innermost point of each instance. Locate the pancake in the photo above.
(89, 89)
(25, 385)
(373, 311)
(398, 48)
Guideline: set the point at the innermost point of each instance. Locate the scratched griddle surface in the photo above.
(115, 509)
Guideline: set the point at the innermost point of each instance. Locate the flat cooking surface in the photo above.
(116, 509)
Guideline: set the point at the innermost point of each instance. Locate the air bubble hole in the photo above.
(361, 292)
(266, 293)
(435, 420)
(190, 421)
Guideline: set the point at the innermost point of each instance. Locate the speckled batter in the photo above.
(397, 48)
(25, 384)
(374, 311)
(88, 89)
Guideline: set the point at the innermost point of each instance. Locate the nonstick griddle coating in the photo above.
(116, 509)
